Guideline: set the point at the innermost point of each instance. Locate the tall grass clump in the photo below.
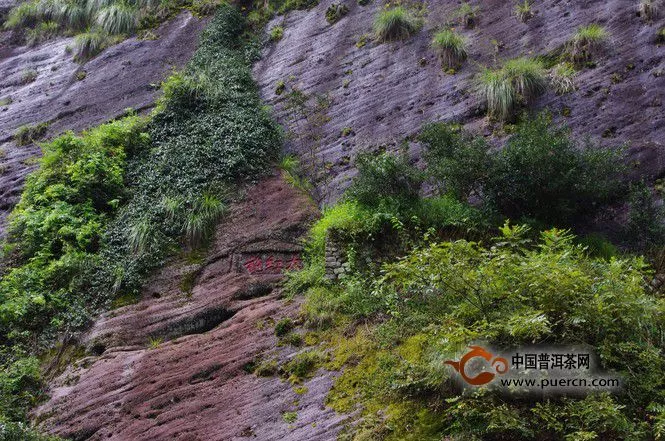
(451, 48)
(523, 11)
(517, 83)
(562, 77)
(395, 24)
(587, 43)
(89, 44)
(528, 77)
(202, 218)
(118, 18)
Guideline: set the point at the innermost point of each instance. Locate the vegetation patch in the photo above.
(29, 134)
(107, 207)
(517, 83)
(336, 12)
(562, 78)
(396, 23)
(587, 43)
(524, 11)
(418, 293)
(467, 14)
(451, 48)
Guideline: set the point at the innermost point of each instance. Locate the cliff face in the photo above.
(172, 366)
(206, 321)
(386, 92)
(124, 76)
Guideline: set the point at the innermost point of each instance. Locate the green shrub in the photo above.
(586, 43)
(302, 365)
(467, 14)
(336, 12)
(283, 327)
(44, 31)
(646, 220)
(395, 24)
(598, 246)
(458, 162)
(523, 11)
(28, 76)
(541, 173)
(117, 18)
(385, 180)
(89, 44)
(451, 47)
(517, 83)
(28, 134)
(25, 14)
(11, 431)
(276, 33)
(442, 296)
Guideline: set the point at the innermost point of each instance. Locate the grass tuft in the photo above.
(202, 217)
(118, 18)
(587, 42)
(28, 134)
(527, 76)
(395, 24)
(89, 44)
(336, 12)
(28, 76)
(562, 78)
(517, 83)
(451, 48)
(523, 11)
(42, 32)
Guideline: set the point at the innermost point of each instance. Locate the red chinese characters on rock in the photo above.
(271, 264)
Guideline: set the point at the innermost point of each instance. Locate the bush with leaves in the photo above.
(646, 220)
(426, 307)
(541, 173)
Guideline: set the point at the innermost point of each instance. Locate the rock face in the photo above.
(210, 319)
(123, 76)
(379, 94)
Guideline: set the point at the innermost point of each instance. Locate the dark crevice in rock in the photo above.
(253, 291)
(197, 324)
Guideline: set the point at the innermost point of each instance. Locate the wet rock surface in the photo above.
(71, 96)
(384, 93)
(158, 376)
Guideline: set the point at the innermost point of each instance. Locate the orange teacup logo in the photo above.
(499, 364)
